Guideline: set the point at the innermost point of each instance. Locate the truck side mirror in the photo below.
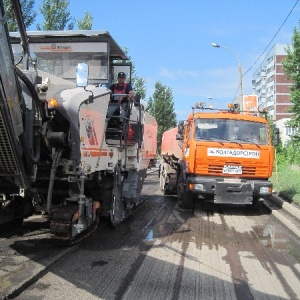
(82, 72)
(180, 131)
(181, 127)
(276, 137)
(179, 137)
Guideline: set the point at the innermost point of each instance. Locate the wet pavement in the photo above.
(161, 252)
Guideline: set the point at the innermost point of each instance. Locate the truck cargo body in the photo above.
(150, 142)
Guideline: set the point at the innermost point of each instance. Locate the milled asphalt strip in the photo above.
(292, 210)
(37, 271)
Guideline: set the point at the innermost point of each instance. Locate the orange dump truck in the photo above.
(219, 157)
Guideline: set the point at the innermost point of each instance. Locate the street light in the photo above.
(239, 70)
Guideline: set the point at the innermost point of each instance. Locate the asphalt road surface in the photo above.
(160, 252)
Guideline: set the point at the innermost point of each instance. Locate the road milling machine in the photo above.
(66, 149)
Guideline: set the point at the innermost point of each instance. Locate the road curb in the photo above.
(292, 209)
(276, 212)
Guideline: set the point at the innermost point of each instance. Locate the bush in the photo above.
(289, 153)
(286, 182)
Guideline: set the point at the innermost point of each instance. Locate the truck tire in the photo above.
(255, 202)
(19, 208)
(162, 182)
(185, 198)
(161, 179)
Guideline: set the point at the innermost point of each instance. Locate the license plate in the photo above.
(229, 169)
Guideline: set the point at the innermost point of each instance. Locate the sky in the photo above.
(170, 41)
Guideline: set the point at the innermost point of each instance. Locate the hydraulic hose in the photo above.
(55, 162)
(32, 90)
(31, 157)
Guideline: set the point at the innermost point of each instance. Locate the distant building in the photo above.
(286, 132)
(272, 88)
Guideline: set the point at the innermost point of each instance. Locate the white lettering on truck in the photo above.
(233, 153)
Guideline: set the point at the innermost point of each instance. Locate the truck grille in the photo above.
(257, 170)
(214, 169)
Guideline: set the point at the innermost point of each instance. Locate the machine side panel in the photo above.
(94, 152)
(11, 126)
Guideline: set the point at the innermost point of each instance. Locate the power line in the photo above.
(272, 38)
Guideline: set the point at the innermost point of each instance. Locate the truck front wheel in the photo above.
(161, 179)
(163, 182)
(185, 198)
(255, 202)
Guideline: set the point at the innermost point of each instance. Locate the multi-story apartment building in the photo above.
(272, 88)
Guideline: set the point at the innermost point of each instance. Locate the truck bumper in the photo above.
(229, 190)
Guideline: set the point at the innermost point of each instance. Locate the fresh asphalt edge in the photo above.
(275, 204)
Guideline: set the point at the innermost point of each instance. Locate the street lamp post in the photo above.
(239, 71)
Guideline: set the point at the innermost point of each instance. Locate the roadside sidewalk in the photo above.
(290, 216)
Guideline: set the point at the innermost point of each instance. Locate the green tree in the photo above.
(161, 106)
(86, 23)
(138, 83)
(139, 86)
(56, 15)
(291, 67)
(28, 13)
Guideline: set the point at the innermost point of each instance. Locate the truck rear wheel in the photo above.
(163, 182)
(185, 198)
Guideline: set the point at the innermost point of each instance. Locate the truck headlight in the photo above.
(199, 186)
(265, 189)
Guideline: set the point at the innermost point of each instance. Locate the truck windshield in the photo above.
(61, 59)
(231, 130)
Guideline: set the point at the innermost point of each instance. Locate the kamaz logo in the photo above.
(60, 47)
